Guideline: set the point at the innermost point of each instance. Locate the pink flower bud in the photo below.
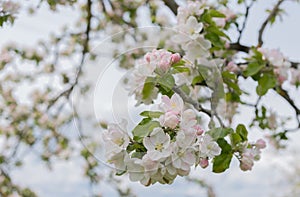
(232, 67)
(147, 57)
(170, 119)
(203, 163)
(199, 130)
(175, 58)
(260, 144)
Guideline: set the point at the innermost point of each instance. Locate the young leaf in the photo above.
(220, 132)
(148, 88)
(222, 161)
(253, 68)
(151, 114)
(242, 131)
(166, 81)
(266, 82)
(144, 129)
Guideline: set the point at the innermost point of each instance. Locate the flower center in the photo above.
(159, 147)
(119, 141)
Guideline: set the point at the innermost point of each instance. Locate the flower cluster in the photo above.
(156, 62)
(276, 59)
(250, 154)
(9, 7)
(169, 150)
(192, 42)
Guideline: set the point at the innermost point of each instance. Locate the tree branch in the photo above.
(272, 14)
(187, 99)
(245, 20)
(239, 47)
(283, 93)
(67, 92)
(172, 5)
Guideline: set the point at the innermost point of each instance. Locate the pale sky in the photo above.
(66, 178)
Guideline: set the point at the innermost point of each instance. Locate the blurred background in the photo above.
(105, 100)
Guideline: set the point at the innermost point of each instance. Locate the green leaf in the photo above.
(235, 139)
(217, 14)
(215, 40)
(197, 79)
(242, 131)
(151, 114)
(253, 68)
(166, 81)
(3, 19)
(266, 82)
(218, 133)
(180, 69)
(179, 64)
(231, 80)
(144, 128)
(222, 161)
(148, 88)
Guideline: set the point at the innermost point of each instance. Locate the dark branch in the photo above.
(239, 47)
(286, 96)
(188, 99)
(245, 20)
(272, 14)
(85, 49)
(172, 5)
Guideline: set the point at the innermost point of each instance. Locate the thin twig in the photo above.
(245, 20)
(85, 50)
(272, 14)
(172, 5)
(187, 99)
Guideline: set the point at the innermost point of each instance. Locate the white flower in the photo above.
(137, 77)
(274, 56)
(175, 104)
(208, 147)
(157, 144)
(137, 172)
(169, 119)
(119, 160)
(192, 8)
(183, 158)
(188, 120)
(197, 48)
(191, 26)
(295, 76)
(116, 139)
(185, 139)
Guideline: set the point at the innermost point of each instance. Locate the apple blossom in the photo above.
(203, 162)
(116, 138)
(157, 145)
(295, 77)
(208, 147)
(173, 104)
(169, 119)
(183, 159)
(260, 143)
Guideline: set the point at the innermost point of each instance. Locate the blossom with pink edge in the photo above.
(260, 143)
(169, 119)
(173, 104)
(157, 145)
(161, 59)
(295, 76)
(203, 162)
(232, 67)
